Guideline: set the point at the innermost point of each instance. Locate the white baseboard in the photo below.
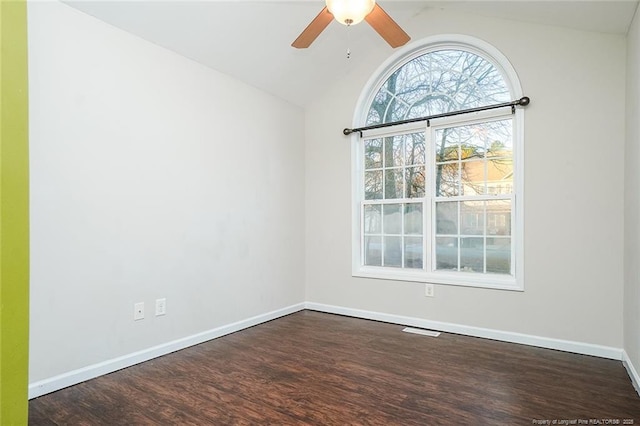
(74, 377)
(504, 336)
(633, 373)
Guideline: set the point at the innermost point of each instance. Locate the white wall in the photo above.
(632, 199)
(574, 139)
(151, 176)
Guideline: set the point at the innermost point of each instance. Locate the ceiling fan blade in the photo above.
(313, 30)
(387, 27)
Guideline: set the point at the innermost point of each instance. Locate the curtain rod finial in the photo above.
(347, 132)
(524, 101)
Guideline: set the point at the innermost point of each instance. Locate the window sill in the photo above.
(464, 279)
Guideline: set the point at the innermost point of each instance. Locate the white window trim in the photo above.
(404, 55)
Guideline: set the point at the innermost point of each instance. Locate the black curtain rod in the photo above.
(524, 101)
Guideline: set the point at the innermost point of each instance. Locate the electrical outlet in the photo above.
(161, 307)
(138, 311)
(429, 290)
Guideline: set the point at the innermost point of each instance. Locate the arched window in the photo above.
(440, 201)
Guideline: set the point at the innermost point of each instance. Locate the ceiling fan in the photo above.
(350, 12)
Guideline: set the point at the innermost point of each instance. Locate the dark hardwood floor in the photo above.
(321, 369)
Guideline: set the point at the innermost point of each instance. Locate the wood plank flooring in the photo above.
(312, 368)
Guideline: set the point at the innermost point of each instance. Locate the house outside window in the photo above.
(440, 201)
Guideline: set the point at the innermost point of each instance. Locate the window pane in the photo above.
(499, 255)
(473, 177)
(413, 219)
(373, 185)
(394, 151)
(415, 182)
(472, 141)
(392, 251)
(491, 138)
(447, 142)
(447, 253)
(472, 254)
(472, 215)
(373, 251)
(393, 183)
(392, 219)
(447, 180)
(499, 217)
(415, 148)
(500, 176)
(413, 252)
(373, 154)
(373, 116)
(372, 219)
(499, 138)
(447, 218)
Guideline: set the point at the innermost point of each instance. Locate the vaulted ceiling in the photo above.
(250, 40)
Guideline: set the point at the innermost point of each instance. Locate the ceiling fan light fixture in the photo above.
(350, 12)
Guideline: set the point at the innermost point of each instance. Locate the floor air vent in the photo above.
(421, 331)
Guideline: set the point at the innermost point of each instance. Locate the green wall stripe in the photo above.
(14, 214)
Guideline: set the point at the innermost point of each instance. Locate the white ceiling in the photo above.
(250, 40)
